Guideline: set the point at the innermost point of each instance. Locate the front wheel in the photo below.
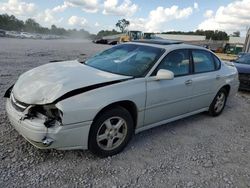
(110, 132)
(218, 103)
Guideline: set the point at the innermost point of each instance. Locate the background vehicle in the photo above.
(127, 37)
(131, 35)
(149, 36)
(27, 35)
(123, 90)
(100, 41)
(243, 66)
(2, 33)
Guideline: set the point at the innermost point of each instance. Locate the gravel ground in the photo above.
(199, 151)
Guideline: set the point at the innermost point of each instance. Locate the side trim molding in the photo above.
(146, 127)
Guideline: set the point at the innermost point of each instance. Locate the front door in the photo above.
(169, 98)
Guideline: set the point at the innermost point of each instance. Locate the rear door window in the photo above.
(203, 61)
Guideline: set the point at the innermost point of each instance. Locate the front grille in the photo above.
(19, 106)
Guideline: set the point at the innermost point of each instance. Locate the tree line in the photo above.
(210, 34)
(213, 35)
(123, 24)
(11, 23)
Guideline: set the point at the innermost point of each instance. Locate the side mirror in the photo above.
(164, 74)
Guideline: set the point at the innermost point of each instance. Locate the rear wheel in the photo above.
(218, 103)
(111, 132)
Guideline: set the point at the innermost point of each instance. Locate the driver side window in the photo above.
(176, 61)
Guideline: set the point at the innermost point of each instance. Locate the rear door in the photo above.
(206, 78)
(169, 98)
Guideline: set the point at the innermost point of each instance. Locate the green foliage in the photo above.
(58, 31)
(103, 33)
(31, 26)
(122, 24)
(11, 23)
(210, 34)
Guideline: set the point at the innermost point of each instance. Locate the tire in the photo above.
(110, 132)
(218, 103)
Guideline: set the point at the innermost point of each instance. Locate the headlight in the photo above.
(52, 114)
(51, 111)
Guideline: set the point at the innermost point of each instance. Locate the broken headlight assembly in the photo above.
(51, 114)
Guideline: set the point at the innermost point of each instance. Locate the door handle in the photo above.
(218, 77)
(188, 82)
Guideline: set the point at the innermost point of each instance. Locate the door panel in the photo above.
(167, 99)
(170, 98)
(205, 79)
(203, 89)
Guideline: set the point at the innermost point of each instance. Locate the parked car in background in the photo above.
(243, 66)
(100, 41)
(99, 104)
(2, 33)
(13, 34)
(26, 35)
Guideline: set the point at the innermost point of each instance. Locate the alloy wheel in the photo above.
(112, 133)
(220, 102)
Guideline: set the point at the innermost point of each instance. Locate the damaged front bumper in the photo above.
(71, 136)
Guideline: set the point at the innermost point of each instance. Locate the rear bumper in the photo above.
(72, 136)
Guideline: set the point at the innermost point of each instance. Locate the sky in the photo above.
(145, 15)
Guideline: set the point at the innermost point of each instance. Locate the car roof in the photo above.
(166, 44)
(158, 41)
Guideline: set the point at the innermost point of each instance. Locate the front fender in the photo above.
(85, 106)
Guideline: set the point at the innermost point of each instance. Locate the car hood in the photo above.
(242, 68)
(46, 83)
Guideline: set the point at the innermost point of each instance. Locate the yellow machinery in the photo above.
(131, 35)
(135, 35)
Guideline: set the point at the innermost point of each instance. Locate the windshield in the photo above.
(126, 59)
(244, 59)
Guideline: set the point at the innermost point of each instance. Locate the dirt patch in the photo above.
(227, 57)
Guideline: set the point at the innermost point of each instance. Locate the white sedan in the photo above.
(100, 103)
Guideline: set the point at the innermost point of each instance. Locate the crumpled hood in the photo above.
(46, 83)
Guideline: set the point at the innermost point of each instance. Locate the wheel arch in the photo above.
(130, 106)
(212, 110)
(227, 87)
